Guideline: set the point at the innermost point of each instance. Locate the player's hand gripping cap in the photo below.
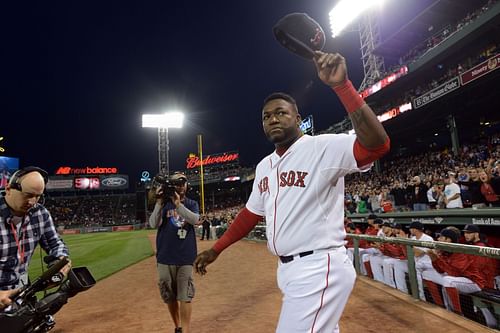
(300, 34)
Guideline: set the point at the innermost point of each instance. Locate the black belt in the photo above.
(287, 259)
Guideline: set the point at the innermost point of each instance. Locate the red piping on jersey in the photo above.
(275, 200)
(322, 295)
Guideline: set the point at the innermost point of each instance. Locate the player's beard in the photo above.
(284, 136)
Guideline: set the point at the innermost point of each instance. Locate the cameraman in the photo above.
(23, 224)
(175, 217)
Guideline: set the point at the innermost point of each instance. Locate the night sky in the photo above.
(77, 75)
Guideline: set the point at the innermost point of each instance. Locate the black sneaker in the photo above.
(178, 330)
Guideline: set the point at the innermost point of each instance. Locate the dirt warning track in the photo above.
(239, 294)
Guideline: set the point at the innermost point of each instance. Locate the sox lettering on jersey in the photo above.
(287, 178)
(292, 178)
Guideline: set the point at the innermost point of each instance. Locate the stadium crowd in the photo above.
(92, 210)
(435, 39)
(431, 180)
(442, 74)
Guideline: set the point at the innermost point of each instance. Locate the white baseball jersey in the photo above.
(301, 193)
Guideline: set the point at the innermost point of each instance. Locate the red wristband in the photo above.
(349, 96)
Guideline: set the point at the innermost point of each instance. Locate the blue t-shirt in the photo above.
(171, 250)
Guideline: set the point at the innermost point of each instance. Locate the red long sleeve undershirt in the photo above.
(244, 222)
(365, 156)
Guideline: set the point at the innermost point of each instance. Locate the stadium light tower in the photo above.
(347, 11)
(163, 122)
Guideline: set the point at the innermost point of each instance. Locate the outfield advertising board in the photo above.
(88, 182)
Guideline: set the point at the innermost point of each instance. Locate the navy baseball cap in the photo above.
(471, 228)
(300, 34)
(450, 234)
(417, 225)
(397, 226)
(351, 225)
(372, 217)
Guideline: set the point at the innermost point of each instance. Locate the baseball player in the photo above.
(370, 230)
(422, 260)
(394, 253)
(488, 265)
(384, 251)
(299, 189)
(455, 272)
(375, 230)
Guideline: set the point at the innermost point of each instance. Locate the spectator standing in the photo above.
(487, 190)
(417, 192)
(399, 195)
(431, 196)
(473, 184)
(205, 227)
(452, 197)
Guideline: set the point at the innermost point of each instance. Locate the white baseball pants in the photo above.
(315, 291)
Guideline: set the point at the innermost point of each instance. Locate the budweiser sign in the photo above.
(195, 162)
(65, 170)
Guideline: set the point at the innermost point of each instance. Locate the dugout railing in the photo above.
(480, 299)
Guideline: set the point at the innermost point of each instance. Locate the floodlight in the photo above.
(347, 11)
(173, 119)
(163, 122)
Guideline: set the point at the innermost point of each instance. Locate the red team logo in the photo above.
(318, 37)
(264, 185)
(287, 178)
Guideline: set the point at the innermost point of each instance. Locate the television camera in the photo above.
(28, 314)
(167, 185)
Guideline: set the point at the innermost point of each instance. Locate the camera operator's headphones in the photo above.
(14, 180)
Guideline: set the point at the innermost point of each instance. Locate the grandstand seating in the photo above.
(92, 210)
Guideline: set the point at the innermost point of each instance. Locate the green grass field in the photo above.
(102, 253)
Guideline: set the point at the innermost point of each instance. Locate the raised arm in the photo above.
(372, 140)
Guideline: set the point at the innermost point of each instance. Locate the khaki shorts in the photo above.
(176, 283)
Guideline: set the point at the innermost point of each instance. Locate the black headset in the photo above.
(14, 180)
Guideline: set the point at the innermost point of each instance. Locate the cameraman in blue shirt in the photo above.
(175, 217)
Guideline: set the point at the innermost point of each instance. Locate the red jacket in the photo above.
(392, 250)
(350, 242)
(460, 264)
(371, 231)
(488, 266)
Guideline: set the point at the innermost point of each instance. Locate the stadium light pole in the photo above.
(346, 12)
(172, 119)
